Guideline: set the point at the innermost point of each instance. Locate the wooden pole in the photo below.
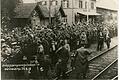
(87, 11)
(72, 11)
(49, 12)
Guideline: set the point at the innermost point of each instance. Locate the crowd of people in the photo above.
(52, 47)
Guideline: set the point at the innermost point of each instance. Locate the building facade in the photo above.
(84, 10)
(79, 10)
(76, 10)
(109, 16)
(108, 10)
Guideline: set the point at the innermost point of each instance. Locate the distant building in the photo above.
(108, 9)
(36, 15)
(76, 10)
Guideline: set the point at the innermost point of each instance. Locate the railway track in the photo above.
(95, 62)
(99, 67)
(115, 78)
(109, 72)
(101, 61)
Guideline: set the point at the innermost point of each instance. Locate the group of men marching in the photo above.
(53, 57)
(60, 56)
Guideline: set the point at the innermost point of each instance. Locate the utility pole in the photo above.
(49, 12)
(72, 11)
(55, 16)
(87, 11)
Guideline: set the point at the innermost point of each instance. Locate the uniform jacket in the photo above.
(81, 56)
(101, 36)
(63, 54)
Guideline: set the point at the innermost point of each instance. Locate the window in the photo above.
(80, 4)
(92, 5)
(65, 3)
(56, 2)
(85, 5)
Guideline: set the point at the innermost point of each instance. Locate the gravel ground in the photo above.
(111, 72)
(101, 62)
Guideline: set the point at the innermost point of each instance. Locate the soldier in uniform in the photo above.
(34, 71)
(67, 46)
(80, 64)
(100, 39)
(42, 64)
(83, 39)
(63, 56)
(46, 46)
(40, 50)
(52, 53)
(107, 37)
(45, 66)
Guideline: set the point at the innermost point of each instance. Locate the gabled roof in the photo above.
(54, 9)
(24, 10)
(107, 4)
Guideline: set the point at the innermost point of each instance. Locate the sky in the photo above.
(108, 4)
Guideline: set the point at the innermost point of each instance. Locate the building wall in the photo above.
(109, 16)
(44, 22)
(68, 12)
(74, 7)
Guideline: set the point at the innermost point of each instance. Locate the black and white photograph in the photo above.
(59, 39)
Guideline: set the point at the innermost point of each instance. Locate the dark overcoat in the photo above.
(81, 64)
